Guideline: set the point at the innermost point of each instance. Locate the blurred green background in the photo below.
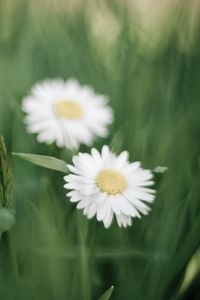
(146, 58)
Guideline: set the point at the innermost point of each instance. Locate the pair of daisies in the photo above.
(101, 183)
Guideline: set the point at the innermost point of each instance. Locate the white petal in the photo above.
(123, 220)
(133, 193)
(105, 152)
(107, 220)
(125, 206)
(121, 160)
(141, 175)
(74, 170)
(74, 196)
(130, 168)
(114, 204)
(102, 209)
(84, 203)
(79, 179)
(91, 210)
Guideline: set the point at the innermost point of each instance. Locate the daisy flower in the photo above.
(160, 169)
(66, 113)
(105, 185)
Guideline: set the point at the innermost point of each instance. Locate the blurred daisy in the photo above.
(105, 185)
(160, 169)
(66, 113)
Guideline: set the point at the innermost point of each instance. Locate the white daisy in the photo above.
(160, 169)
(105, 185)
(66, 113)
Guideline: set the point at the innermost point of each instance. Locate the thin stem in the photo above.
(84, 257)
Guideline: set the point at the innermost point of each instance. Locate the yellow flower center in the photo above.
(111, 182)
(68, 109)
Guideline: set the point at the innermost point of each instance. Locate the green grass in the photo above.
(53, 252)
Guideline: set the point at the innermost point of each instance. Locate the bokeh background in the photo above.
(145, 55)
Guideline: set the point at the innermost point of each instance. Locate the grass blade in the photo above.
(7, 219)
(107, 294)
(44, 161)
(5, 177)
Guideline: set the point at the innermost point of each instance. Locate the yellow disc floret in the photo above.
(68, 109)
(111, 182)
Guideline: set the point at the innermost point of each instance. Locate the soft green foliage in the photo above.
(55, 253)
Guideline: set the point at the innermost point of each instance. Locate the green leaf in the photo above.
(44, 161)
(107, 294)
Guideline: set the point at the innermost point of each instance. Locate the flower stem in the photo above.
(84, 258)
